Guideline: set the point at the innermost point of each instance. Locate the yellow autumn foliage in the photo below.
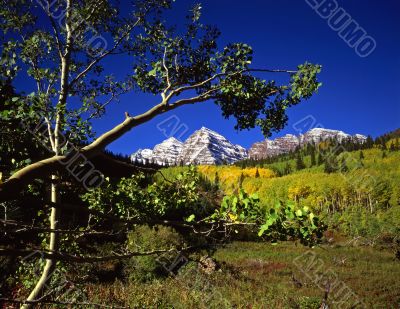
(229, 176)
(374, 185)
(297, 192)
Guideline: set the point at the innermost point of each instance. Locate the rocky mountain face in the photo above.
(162, 154)
(208, 147)
(204, 146)
(289, 142)
(270, 148)
(318, 134)
(143, 156)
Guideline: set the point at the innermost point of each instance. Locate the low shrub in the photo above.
(145, 238)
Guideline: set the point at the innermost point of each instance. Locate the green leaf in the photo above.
(153, 72)
(190, 218)
(263, 229)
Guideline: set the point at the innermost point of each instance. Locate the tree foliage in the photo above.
(59, 48)
(133, 199)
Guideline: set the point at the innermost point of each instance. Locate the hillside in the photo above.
(361, 199)
(206, 146)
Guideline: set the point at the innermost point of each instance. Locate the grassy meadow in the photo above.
(363, 201)
(355, 266)
(260, 275)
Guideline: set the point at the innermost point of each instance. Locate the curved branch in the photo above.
(16, 182)
(20, 227)
(210, 79)
(10, 189)
(50, 302)
(105, 54)
(60, 256)
(55, 30)
(270, 71)
(200, 98)
(169, 85)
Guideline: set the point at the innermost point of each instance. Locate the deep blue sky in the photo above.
(359, 95)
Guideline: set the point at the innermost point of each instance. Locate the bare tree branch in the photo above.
(23, 228)
(194, 86)
(210, 79)
(163, 94)
(15, 183)
(50, 302)
(200, 98)
(51, 136)
(60, 256)
(55, 29)
(271, 71)
(105, 54)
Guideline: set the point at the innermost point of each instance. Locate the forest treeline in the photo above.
(353, 186)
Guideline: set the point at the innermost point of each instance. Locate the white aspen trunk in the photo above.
(54, 217)
(53, 246)
(50, 265)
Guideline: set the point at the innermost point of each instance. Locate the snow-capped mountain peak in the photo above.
(162, 154)
(289, 142)
(204, 146)
(318, 134)
(142, 156)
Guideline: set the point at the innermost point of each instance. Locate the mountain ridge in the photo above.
(204, 146)
(289, 142)
(208, 147)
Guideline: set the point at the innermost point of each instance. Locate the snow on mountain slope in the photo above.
(142, 156)
(289, 142)
(164, 153)
(208, 147)
(204, 146)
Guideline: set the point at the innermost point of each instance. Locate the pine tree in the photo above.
(383, 144)
(343, 166)
(369, 143)
(362, 155)
(288, 169)
(216, 179)
(384, 155)
(309, 148)
(331, 165)
(313, 161)
(299, 162)
(392, 147)
(241, 179)
(320, 159)
(257, 173)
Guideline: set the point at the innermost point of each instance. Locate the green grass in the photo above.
(371, 274)
(260, 275)
(365, 201)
